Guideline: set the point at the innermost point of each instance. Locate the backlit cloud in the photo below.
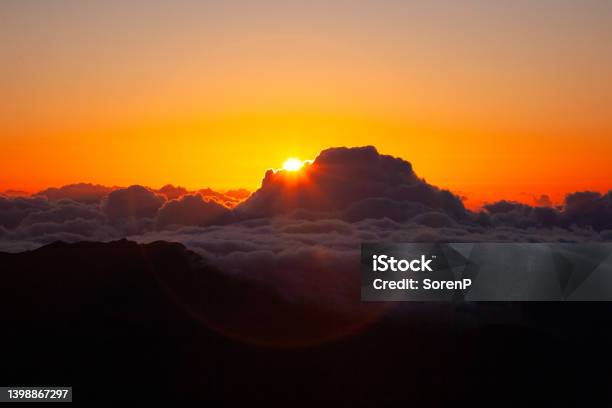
(82, 192)
(135, 201)
(191, 209)
(343, 177)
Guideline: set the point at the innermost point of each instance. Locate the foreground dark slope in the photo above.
(116, 321)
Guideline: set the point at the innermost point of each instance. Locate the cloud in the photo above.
(589, 208)
(135, 201)
(191, 209)
(32, 222)
(586, 209)
(282, 235)
(435, 220)
(285, 233)
(14, 209)
(505, 207)
(29, 222)
(171, 192)
(343, 177)
(543, 201)
(81, 192)
(32, 236)
(76, 229)
(379, 207)
(63, 211)
(228, 200)
(509, 213)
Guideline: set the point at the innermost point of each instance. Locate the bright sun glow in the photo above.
(292, 164)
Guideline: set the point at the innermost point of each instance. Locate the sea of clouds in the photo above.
(345, 197)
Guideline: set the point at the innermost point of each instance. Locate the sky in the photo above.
(491, 99)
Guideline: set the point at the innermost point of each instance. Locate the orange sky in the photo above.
(486, 99)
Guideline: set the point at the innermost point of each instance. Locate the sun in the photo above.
(292, 164)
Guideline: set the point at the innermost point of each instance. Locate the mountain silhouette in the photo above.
(140, 322)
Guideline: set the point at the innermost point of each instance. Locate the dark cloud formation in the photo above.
(585, 209)
(135, 201)
(382, 208)
(191, 209)
(14, 209)
(171, 192)
(64, 211)
(543, 201)
(361, 178)
(29, 222)
(81, 192)
(230, 200)
(589, 208)
(95, 193)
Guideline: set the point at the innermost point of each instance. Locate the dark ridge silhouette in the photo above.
(121, 321)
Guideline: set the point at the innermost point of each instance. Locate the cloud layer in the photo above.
(344, 197)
